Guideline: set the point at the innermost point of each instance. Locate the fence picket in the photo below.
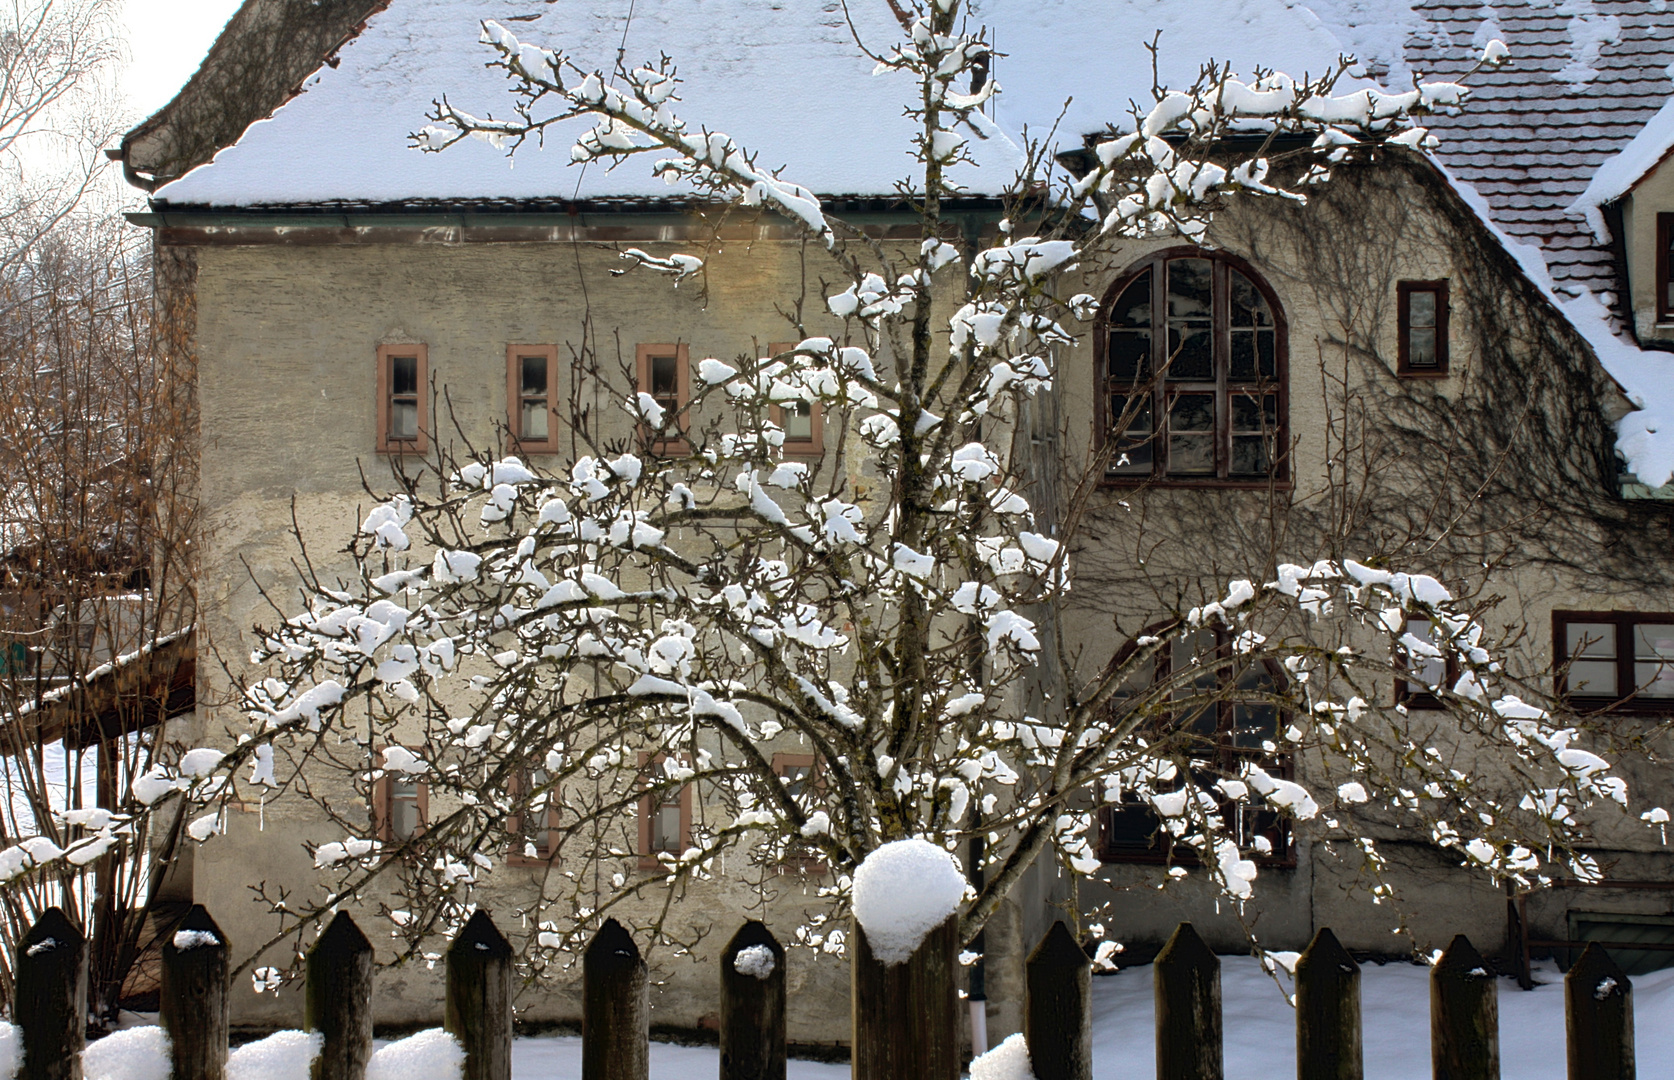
(1598, 1012)
(51, 998)
(906, 1016)
(478, 1008)
(1328, 1012)
(1058, 1020)
(615, 1008)
(1464, 1016)
(337, 1000)
(753, 1007)
(193, 1004)
(1187, 975)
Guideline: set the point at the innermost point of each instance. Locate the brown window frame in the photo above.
(1403, 331)
(1624, 622)
(1163, 850)
(648, 765)
(807, 861)
(421, 441)
(1412, 698)
(521, 785)
(1665, 267)
(1224, 389)
(515, 355)
(383, 808)
(814, 445)
(644, 354)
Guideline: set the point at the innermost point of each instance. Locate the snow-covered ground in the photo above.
(1260, 1030)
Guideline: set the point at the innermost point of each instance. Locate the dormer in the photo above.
(1630, 203)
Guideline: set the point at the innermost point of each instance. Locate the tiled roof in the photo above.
(1530, 140)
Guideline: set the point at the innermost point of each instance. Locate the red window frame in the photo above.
(644, 357)
(387, 355)
(1403, 315)
(1624, 623)
(383, 808)
(522, 786)
(1420, 696)
(1665, 268)
(654, 799)
(515, 397)
(814, 445)
(803, 859)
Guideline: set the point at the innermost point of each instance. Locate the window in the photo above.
(401, 807)
(1217, 739)
(1665, 268)
(536, 823)
(1191, 356)
(1421, 309)
(801, 421)
(1427, 671)
(1619, 659)
(805, 783)
(665, 815)
(665, 374)
(531, 396)
(403, 378)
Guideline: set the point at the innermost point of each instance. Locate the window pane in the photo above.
(403, 809)
(1249, 307)
(1592, 639)
(1421, 347)
(535, 415)
(1194, 656)
(403, 419)
(796, 779)
(1136, 440)
(1653, 651)
(1130, 355)
(1427, 671)
(1191, 434)
(1130, 828)
(1133, 308)
(665, 828)
(1255, 428)
(1190, 305)
(1254, 724)
(534, 375)
(1421, 309)
(403, 375)
(664, 379)
(799, 421)
(1593, 678)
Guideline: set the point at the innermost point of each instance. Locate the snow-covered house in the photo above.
(1464, 351)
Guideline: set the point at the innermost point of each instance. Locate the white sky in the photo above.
(167, 40)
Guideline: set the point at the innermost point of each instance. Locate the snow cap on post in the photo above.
(902, 891)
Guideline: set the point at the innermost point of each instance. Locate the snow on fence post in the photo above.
(753, 1005)
(1058, 1022)
(615, 1008)
(1188, 990)
(1464, 1016)
(338, 1000)
(51, 998)
(1598, 1010)
(906, 1015)
(1328, 1012)
(478, 1008)
(193, 1004)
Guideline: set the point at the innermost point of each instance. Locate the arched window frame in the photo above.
(1222, 386)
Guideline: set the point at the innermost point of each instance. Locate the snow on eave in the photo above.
(1622, 173)
(106, 669)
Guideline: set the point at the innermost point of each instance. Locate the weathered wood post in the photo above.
(753, 1005)
(338, 1000)
(1328, 1012)
(615, 1008)
(1464, 1016)
(1188, 988)
(1598, 1011)
(1058, 1021)
(906, 1016)
(193, 1004)
(51, 998)
(478, 1009)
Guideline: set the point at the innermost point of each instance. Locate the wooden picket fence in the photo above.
(906, 1017)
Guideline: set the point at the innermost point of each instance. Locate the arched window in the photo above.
(1191, 362)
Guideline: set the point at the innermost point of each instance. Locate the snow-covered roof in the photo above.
(784, 77)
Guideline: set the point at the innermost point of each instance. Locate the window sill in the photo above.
(1637, 706)
(1266, 862)
(1211, 483)
(532, 861)
(1426, 375)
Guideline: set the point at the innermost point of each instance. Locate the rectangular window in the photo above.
(665, 814)
(531, 397)
(400, 808)
(803, 782)
(1616, 659)
(535, 825)
(664, 372)
(403, 409)
(1427, 672)
(1217, 735)
(1665, 268)
(1421, 310)
(801, 421)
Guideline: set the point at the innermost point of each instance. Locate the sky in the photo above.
(167, 39)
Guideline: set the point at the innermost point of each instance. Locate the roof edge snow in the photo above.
(1623, 172)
